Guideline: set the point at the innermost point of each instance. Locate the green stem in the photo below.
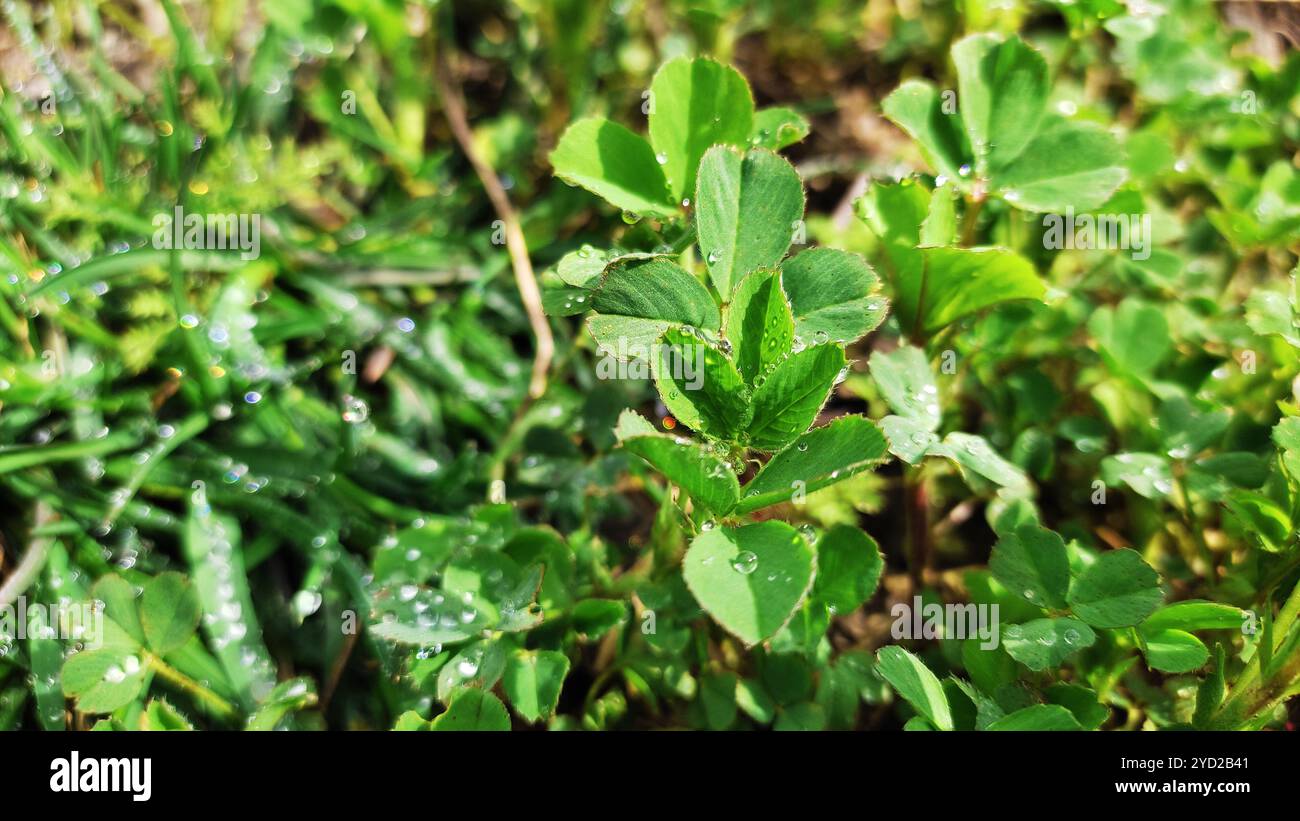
(972, 217)
(916, 517)
(218, 705)
(33, 560)
(1188, 514)
(1252, 694)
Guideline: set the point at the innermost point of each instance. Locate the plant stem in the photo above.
(972, 217)
(1188, 515)
(453, 105)
(217, 704)
(32, 561)
(916, 510)
(1252, 694)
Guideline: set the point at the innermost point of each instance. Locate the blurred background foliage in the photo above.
(352, 406)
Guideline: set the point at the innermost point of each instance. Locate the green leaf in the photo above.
(594, 618)
(105, 678)
(411, 722)
(1081, 701)
(1209, 695)
(806, 717)
(1174, 651)
(848, 568)
(696, 104)
(1002, 88)
(1133, 338)
(896, 213)
(45, 652)
(1045, 643)
(823, 456)
(640, 298)
(916, 684)
(749, 579)
(415, 553)
(1194, 615)
(1146, 473)
(532, 682)
(778, 127)
(788, 677)
(934, 286)
(973, 454)
(718, 696)
(1038, 717)
(787, 400)
(1032, 562)
(909, 438)
(287, 698)
(120, 604)
(473, 709)
(412, 614)
(1067, 165)
(160, 716)
(835, 296)
(564, 301)
(957, 282)
(753, 699)
(477, 664)
(1186, 431)
(705, 477)
(1286, 435)
(917, 107)
(169, 612)
(940, 226)
(212, 548)
(907, 384)
(613, 163)
(518, 607)
(989, 668)
(1271, 313)
(582, 268)
(1119, 589)
(759, 324)
(1261, 518)
(700, 385)
(746, 212)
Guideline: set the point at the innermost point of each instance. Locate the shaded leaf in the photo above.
(1119, 589)
(696, 104)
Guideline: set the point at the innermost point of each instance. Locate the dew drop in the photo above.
(745, 562)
